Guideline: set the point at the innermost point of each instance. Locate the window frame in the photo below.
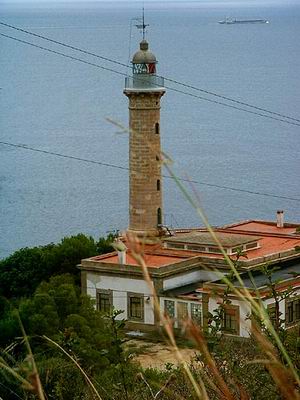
(215, 250)
(175, 245)
(182, 308)
(291, 305)
(109, 294)
(194, 317)
(271, 308)
(196, 247)
(166, 311)
(236, 313)
(140, 296)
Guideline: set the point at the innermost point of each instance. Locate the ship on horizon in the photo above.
(230, 21)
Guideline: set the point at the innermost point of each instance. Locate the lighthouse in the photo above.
(144, 90)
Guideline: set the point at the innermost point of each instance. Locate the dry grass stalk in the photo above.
(32, 383)
(156, 395)
(281, 375)
(34, 377)
(197, 335)
(243, 294)
(136, 247)
(26, 384)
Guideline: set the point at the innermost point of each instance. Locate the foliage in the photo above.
(24, 270)
(95, 341)
(239, 363)
(59, 311)
(104, 243)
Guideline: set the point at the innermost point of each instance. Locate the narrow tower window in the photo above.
(157, 128)
(158, 184)
(159, 218)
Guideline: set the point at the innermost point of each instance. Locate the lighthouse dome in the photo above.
(144, 55)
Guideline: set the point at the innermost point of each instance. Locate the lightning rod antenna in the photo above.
(144, 26)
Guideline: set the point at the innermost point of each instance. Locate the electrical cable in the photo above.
(165, 78)
(164, 176)
(167, 87)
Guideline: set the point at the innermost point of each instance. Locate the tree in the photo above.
(57, 310)
(24, 270)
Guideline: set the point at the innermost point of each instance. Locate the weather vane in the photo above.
(143, 25)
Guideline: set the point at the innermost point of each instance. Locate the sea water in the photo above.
(58, 105)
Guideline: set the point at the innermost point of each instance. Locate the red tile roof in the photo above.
(273, 241)
(151, 260)
(262, 227)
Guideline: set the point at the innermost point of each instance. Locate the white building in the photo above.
(184, 266)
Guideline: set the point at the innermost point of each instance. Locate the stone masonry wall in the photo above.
(145, 194)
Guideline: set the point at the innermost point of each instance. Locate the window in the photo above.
(272, 313)
(169, 306)
(214, 250)
(195, 247)
(236, 249)
(151, 68)
(140, 68)
(157, 128)
(297, 310)
(135, 302)
(159, 217)
(104, 300)
(230, 323)
(158, 185)
(292, 310)
(182, 312)
(250, 246)
(196, 313)
(175, 246)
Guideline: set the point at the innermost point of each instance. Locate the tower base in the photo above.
(146, 234)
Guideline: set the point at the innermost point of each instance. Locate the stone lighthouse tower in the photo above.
(144, 90)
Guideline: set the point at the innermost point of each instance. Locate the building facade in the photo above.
(186, 270)
(185, 266)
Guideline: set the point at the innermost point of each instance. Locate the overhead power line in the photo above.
(284, 118)
(167, 79)
(89, 161)
(64, 55)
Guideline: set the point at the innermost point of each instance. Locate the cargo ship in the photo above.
(230, 21)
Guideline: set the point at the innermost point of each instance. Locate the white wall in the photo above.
(245, 310)
(190, 277)
(120, 287)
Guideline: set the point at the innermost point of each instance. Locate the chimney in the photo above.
(121, 250)
(280, 219)
(122, 257)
